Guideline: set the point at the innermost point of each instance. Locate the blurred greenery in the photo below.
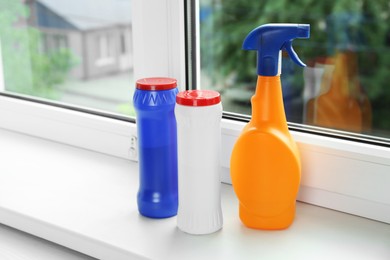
(360, 26)
(26, 68)
(126, 109)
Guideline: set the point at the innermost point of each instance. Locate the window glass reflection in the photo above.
(344, 86)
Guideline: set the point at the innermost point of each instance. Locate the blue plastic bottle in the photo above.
(154, 101)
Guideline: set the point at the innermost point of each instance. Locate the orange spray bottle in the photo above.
(265, 165)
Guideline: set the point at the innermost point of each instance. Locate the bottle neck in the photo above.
(267, 103)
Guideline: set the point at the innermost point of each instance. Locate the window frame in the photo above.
(336, 173)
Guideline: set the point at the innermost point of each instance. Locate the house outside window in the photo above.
(105, 48)
(71, 52)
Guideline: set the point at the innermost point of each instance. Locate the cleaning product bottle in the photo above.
(198, 116)
(154, 102)
(265, 165)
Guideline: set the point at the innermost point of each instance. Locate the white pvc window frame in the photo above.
(343, 175)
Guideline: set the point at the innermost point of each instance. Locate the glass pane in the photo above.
(345, 85)
(77, 52)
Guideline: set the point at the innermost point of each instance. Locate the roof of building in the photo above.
(91, 14)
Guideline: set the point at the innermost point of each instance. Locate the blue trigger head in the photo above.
(303, 31)
(269, 39)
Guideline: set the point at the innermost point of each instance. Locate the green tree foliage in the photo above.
(362, 26)
(26, 68)
(48, 69)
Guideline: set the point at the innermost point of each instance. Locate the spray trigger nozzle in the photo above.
(293, 55)
(269, 39)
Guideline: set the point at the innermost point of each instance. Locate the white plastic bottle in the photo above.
(198, 115)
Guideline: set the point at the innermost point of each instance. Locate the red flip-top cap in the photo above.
(198, 98)
(156, 83)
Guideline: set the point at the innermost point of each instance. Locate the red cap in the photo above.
(198, 98)
(156, 83)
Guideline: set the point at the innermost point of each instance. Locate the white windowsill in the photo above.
(86, 201)
(18, 245)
